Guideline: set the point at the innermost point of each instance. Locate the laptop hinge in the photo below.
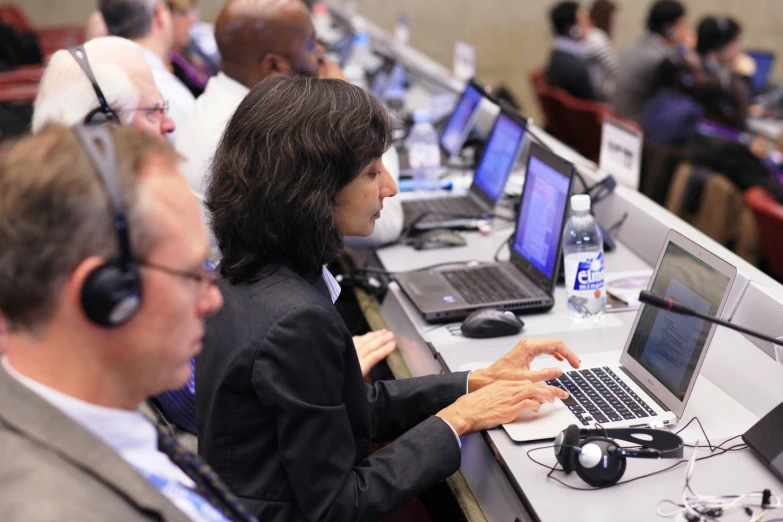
(646, 390)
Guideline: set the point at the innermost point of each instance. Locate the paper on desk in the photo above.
(625, 287)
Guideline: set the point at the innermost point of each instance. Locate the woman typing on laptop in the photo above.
(283, 413)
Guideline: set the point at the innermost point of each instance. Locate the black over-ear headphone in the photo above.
(111, 294)
(600, 461)
(103, 114)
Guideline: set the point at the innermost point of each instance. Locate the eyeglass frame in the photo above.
(207, 277)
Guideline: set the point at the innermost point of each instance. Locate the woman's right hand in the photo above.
(497, 403)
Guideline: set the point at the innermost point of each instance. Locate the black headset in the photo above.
(111, 294)
(103, 114)
(600, 461)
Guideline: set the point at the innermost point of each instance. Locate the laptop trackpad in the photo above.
(547, 409)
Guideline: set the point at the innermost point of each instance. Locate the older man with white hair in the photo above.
(149, 24)
(66, 94)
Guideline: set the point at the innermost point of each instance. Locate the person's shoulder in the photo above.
(39, 485)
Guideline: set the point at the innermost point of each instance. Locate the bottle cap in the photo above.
(580, 203)
(421, 115)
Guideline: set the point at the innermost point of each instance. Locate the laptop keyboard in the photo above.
(441, 209)
(598, 395)
(487, 284)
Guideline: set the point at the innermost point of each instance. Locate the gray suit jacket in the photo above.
(638, 78)
(51, 468)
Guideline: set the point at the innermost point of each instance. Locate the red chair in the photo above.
(769, 222)
(12, 15)
(50, 38)
(22, 75)
(18, 92)
(575, 122)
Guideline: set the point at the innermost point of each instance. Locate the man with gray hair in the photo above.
(66, 94)
(149, 23)
(104, 291)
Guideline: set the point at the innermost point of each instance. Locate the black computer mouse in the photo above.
(488, 322)
(438, 238)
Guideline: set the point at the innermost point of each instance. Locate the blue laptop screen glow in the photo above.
(499, 155)
(454, 132)
(541, 215)
(764, 63)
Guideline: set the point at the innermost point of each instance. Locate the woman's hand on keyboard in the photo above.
(515, 365)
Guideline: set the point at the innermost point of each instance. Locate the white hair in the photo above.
(65, 94)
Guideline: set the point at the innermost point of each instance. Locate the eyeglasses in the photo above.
(153, 114)
(205, 277)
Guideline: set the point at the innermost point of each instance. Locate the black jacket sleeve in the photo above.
(303, 377)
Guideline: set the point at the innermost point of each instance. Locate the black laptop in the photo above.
(526, 282)
(500, 154)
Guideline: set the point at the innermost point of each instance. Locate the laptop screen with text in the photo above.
(668, 345)
(499, 155)
(541, 214)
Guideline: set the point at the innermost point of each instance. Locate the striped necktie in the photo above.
(208, 484)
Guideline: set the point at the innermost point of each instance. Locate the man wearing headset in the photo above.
(66, 94)
(568, 68)
(104, 291)
(667, 35)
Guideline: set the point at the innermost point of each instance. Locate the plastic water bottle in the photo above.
(423, 152)
(583, 261)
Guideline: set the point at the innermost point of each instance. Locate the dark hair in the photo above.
(129, 19)
(563, 16)
(290, 147)
(715, 33)
(601, 15)
(664, 14)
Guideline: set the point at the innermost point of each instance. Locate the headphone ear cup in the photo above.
(566, 445)
(111, 295)
(598, 463)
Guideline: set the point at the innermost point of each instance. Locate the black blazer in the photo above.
(286, 419)
(571, 74)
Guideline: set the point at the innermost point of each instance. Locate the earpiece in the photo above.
(600, 461)
(111, 293)
(103, 114)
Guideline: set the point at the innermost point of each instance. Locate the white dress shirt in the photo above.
(129, 433)
(199, 137)
(181, 100)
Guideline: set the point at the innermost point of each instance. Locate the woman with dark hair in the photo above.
(283, 413)
(598, 45)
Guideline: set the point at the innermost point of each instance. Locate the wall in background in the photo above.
(511, 36)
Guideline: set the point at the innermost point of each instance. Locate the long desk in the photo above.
(738, 382)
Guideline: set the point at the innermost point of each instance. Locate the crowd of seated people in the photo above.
(165, 303)
(108, 289)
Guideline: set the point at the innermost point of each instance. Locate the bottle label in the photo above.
(590, 274)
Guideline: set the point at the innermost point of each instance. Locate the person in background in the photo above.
(568, 67)
(723, 81)
(65, 94)
(149, 23)
(74, 447)
(598, 44)
(283, 412)
(286, 45)
(637, 80)
(188, 63)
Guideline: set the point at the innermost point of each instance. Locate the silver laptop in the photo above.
(659, 365)
(526, 282)
(500, 154)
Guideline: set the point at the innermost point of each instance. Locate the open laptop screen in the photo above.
(668, 345)
(455, 131)
(764, 61)
(541, 215)
(499, 156)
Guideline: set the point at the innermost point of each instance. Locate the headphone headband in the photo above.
(99, 146)
(80, 55)
(665, 443)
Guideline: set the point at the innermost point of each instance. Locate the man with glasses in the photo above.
(73, 446)
(149, 23)
(66, 94)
